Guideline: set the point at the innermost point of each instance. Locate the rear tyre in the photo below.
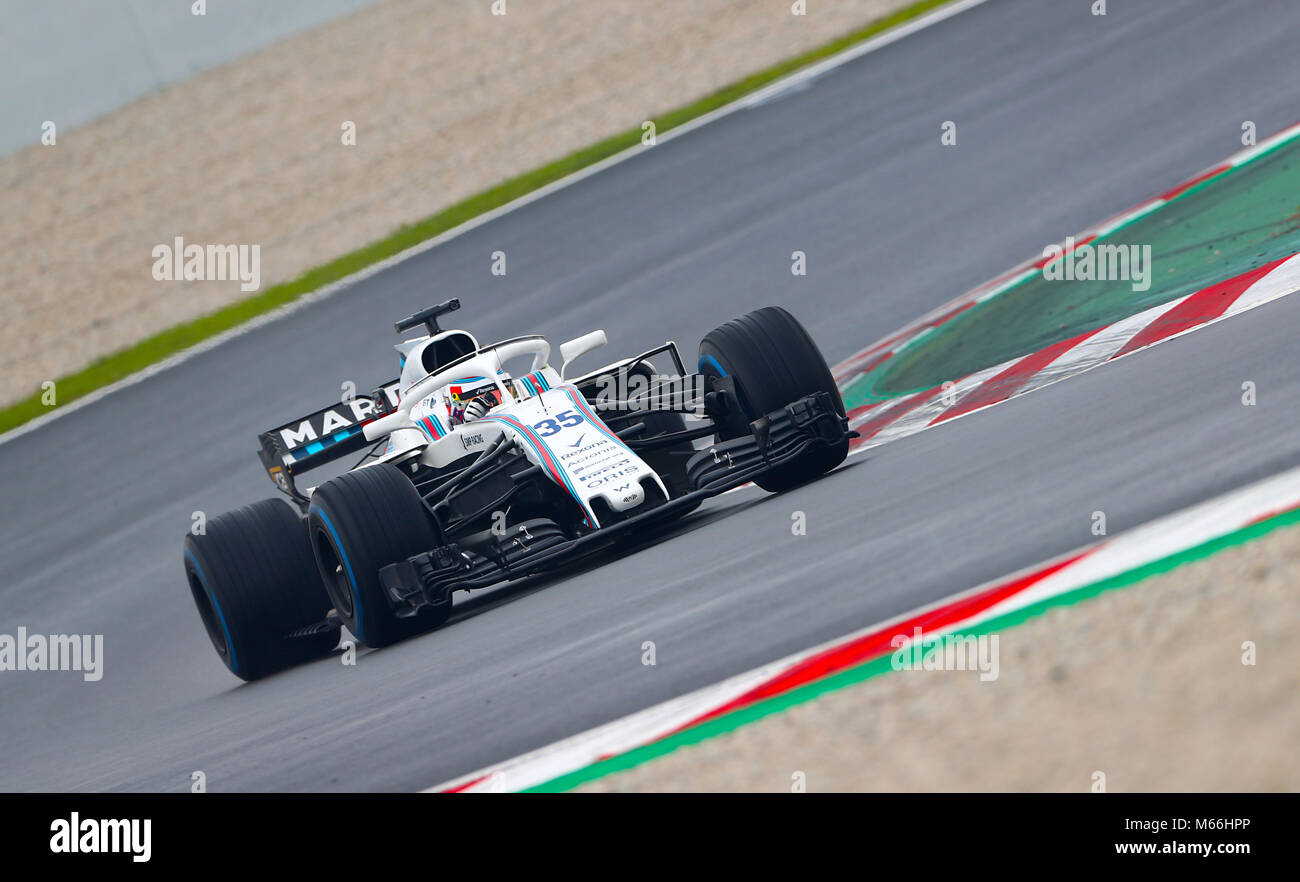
(359, 523)
(773, 361)
(254, 581)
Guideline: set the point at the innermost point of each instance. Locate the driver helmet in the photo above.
(472, 398)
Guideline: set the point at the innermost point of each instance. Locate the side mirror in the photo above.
(572, 349)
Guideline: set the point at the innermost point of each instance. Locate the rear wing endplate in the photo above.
(322, 436)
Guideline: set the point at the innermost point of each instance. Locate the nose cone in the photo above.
(623, 497)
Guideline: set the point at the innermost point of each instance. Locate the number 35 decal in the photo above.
(566, 419)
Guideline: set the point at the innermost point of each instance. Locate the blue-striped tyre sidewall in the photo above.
(253, 580)
(359, 523)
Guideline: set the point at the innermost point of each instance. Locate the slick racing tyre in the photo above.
(359, 523)
(773, 362)
(254, 581)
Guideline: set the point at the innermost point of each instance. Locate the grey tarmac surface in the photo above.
(1062, 119)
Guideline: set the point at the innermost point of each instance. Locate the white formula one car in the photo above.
(477, 476)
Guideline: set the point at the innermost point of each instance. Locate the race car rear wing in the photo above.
(322, 436)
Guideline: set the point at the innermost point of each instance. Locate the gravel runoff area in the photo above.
(1145, 684)
(447, 100)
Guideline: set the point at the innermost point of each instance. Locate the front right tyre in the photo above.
(773, 362)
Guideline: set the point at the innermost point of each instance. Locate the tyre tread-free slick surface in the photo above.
(773, 361)
(359, 523)
(254, 580)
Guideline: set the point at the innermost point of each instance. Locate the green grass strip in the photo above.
(882, 665)
(122, 364)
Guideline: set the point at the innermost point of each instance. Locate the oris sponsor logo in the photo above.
(594, 482)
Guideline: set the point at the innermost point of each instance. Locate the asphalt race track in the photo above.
(1062, 119)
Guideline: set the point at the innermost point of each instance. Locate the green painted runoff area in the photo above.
(1221, 228)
